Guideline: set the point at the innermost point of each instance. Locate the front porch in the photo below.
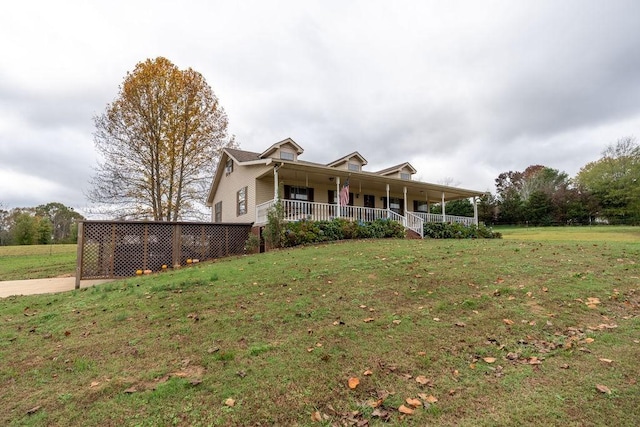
(296, 210)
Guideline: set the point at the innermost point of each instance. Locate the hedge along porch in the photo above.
(116, 249)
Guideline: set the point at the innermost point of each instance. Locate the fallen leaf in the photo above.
(565, 366)
(230, 402)
(429, 399)
(397, 322)
(368, 319)
(380, 413)
(489, 359)
(94, 383)
(131, 389)
(413, 402)
(508, 321)
(353, 382)
(605, 360)
(316, 416)
(456, 373)
(404, 410)
(460, 324)
(421, 379)
(545, 289)
(436, 319)
(33, 410)
(499, 280)
(589, 340)
(367, 372)
(603, 389)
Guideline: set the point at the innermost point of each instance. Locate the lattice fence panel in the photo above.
(119, 249)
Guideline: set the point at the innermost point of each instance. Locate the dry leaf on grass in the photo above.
(413, 402)
(230, 402)
(603, 389)
(405, 410)
(461, 324)
(316, 416)
(608, 361)
(353, 382)
(421, 379)
(368, 319)
(367, 372)
(428, 398)
(508, 321)
(489, 359)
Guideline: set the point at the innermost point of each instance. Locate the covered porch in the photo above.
(310, 192)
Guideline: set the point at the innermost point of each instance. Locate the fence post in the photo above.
(79, 252)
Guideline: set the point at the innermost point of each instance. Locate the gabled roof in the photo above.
(277, 145)
(347, 158)
(242, 156)
(397, 168)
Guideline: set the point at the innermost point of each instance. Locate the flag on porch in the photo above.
(344, 194)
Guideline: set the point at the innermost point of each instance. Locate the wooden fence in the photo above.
(113, 249)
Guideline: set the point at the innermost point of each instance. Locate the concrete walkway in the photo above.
(43, 286)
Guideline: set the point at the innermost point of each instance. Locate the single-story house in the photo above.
(247, 184)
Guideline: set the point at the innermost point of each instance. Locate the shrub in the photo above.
(439, 230)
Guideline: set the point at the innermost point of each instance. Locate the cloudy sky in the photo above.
(463, 90)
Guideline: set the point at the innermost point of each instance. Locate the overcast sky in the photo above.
(463, 90)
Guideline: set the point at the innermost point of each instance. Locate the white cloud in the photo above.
(460, 89)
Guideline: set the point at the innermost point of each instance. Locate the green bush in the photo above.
(439, 230)
(308, 232)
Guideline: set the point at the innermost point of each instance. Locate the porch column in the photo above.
(405, 200)
(338, 197)
(275, 182)
(388, 202)
(475, 210)
(443, 209)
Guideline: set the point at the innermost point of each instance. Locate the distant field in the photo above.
(36, 261)
(595, 233)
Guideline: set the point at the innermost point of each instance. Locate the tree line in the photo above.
(40, 225)
(604, 191)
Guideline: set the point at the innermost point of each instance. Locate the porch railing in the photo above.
(429, 217)
(295, 210)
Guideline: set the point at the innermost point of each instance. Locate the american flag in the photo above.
(344, 194)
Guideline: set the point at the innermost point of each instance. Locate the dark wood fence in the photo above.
(112, 249)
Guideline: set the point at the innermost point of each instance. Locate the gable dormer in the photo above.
(402, 171)
(352, 162)
(286, 149)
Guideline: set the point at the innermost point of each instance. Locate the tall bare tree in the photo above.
(159, 141)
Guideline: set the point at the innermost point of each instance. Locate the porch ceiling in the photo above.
(314, 175)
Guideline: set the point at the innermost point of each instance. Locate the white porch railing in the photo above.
(429, 217)
(295, 210)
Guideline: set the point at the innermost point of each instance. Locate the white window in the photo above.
(354, 167)
(285, 155)
(404, 175)
(218, 212)
(242, 201)
(228, 167)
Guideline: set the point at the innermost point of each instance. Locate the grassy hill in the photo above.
(474, 332)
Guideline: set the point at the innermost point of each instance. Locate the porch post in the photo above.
(405, 200)
(388, 202)
(475, 210)
(338, 197)
(443, 209)
(275, 182)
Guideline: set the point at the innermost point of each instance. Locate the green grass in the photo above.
(594, 233)
(281, 333)
(37, 261)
